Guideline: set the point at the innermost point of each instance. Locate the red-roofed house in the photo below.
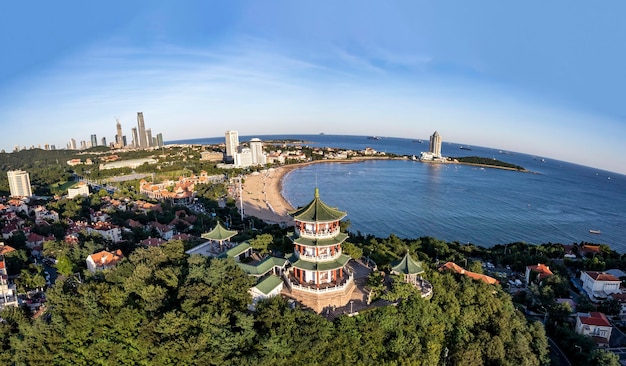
(595, 325)
(537, 273)
(599, 285)
(34, 240)
(103, 260)
(152, 242)
(107, 230)
(166, 231)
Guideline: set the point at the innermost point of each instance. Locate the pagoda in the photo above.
(318, 276)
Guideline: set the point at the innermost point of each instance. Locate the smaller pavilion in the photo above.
(407, 267)
(412, 273)
(218, 242)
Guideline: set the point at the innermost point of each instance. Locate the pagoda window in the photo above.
(323, 251)
(309, 227)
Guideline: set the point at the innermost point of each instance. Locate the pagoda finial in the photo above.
(317, 192)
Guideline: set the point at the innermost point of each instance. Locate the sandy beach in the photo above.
(262, 198)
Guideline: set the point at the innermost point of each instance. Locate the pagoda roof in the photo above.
(268, 284)
(340, 262)
(337, 239)
(235, 251)
(317, 211)
(407, 266)
(262, 267)
(219, 233)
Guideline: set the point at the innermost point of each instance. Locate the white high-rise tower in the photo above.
(19, 183)
(435, 145)
(232, 144)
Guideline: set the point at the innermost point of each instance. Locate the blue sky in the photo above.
(544, 78)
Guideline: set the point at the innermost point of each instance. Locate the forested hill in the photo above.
(162, 307)
(487, 161)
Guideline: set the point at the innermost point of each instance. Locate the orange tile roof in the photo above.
(4, 249)
(544, 271)
(601, 276)
(105, 258)
(476, 276)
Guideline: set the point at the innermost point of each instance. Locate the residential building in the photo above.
(94, 141)
(103, 260)
(256, 148)
(8, 291)
(595, 325)
(599, 285)
(537, 273)
(78, 189)
(232, 145)
(107, 230)
(149, 138)
(243, 158)
(119, 137)
(135, 137)
(104, 141)
(434, 149)
(19, 183)
(159, 140)
(212, 156)
(141, 130)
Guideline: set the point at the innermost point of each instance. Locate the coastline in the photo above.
(261, 192)
(262, 195)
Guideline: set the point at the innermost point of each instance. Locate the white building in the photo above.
(243, 159)
(434, 150)
(19, 183)
(103, 260)
(232, 145)
(80, 189)
(107, 230)
(599, 285)
(256, 147)
(595, 325)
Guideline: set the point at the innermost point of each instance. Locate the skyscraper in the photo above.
(141, 130)
(232, 143)
(135, 138)
(72, 144)
(104, 141)
(119, 138)
(19, 183)
(256, 147)
(435, 145)
(94, 141)
(149, 137)
(159, 140)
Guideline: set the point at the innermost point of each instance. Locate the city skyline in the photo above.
(401, 69)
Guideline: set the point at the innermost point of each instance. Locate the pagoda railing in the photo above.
(320, 234)
(343, 283)
(319, 258)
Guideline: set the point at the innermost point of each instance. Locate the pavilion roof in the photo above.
(262, 267)
(407, 266)
(317, 211)
(235, 251)
(219, 233)
(268, 284)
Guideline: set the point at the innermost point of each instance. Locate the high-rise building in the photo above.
(72, 144)
(135, 138)
(104, 141)
(124, 141)
(83, 145)
(435, 145)
(256, 147)
(141, 130)
(149, 137)
(19, 183)
(94, 141)
(119, 138)
(232, 144)
(159, 139)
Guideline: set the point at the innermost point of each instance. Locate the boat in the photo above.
(418, 141)
(373, 138)
(594, 232)
(464, 148)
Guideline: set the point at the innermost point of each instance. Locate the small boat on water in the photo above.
(595, 232)
(373, 138)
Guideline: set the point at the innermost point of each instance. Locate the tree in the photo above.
(261, 242)
(64, 265)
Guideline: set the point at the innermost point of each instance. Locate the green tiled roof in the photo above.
(317, 211)
(219, 233)
(337, 239)
(407, 266)
(320, 266)
(235, 251)
(263, 267)
(268, 284)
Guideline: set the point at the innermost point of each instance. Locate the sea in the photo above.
(556, 202)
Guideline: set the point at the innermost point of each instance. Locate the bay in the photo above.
(558, 202)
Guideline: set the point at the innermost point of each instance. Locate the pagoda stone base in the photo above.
(319, 301)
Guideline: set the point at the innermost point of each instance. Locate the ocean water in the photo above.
(558, 202)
